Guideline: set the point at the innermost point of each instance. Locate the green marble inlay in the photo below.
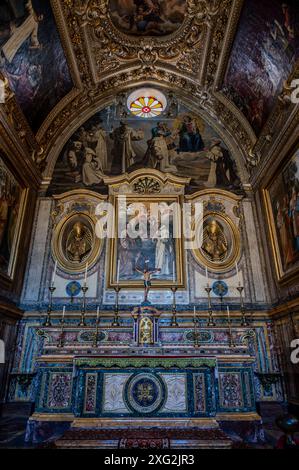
(140, 362)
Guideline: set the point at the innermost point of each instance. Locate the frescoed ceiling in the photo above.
(233, 60)
(32, 57)
(264, 52)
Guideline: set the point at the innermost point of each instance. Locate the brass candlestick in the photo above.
(83, 306)
(174, 322)
(244, 319)
(96, 335)
(196, 333)
(61, 342)
(211, 322)
(116, 310)
(48, 318)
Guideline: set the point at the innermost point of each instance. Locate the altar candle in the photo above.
(63, 313)
(54, 274)
(238, 274)
(98, 313)
(207, 276)
(228, 313)
(173, 272)
(85, 278)
(118, 269)
(194, 313)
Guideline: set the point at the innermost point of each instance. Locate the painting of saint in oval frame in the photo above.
(219, 242)
(75, 243)
(12, 205)
(282, 205)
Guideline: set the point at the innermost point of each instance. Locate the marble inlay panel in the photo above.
(176, 385)
(113, 387)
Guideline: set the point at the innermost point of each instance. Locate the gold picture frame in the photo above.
(137, 282)
(233, 246)
(59, 241)
(19, 213)
(281, 200)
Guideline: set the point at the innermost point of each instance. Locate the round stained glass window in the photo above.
(146, 103)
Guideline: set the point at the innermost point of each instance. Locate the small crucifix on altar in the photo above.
(147, 276)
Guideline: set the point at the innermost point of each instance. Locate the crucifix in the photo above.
(147, 276)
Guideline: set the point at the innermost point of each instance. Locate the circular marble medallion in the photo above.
(145, 393)
(73, 289)
(220, 288)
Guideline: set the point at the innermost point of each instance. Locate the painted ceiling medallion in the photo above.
(146, 103)
(147, 17)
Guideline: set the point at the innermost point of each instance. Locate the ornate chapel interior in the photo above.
(187, 337)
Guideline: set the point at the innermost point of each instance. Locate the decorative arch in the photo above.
(208, 106)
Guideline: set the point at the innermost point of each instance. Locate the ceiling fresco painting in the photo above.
(108, 145)
(147, 17)
(265, 50)
(32, 58)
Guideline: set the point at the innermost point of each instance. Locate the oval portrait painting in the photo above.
(218, 242)
(75, 243)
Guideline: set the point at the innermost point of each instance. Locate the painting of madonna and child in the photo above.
(106, 145)
(147, 17)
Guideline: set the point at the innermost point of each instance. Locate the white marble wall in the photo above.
(256, 261)
(39, 252)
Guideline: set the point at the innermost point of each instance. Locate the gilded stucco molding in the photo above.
(108, 49)
(101, 48)
(66, 42)
(231, 30)
(220, 28)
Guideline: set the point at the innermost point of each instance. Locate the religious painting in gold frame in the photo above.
(13, 197)
(75, 242)
(282, 205)
(164, 255)
(218, 242)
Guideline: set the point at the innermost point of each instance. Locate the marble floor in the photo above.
(13, 428)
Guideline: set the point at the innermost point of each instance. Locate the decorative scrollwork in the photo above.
(111, 48)
(147, 186)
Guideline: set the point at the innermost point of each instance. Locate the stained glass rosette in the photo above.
(146, 103)
(146, 107)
